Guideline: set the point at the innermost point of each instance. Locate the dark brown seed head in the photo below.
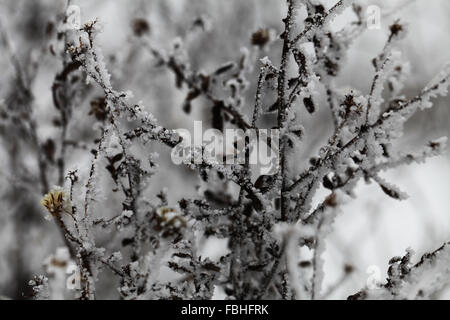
(140, 27)
(261, 37)
(396, 28)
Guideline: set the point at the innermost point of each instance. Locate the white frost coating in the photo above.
(375, 99)
(441, 142)
(427, 279)
(114, 146)
(324, 228)
(391, 189)
(337, 10)
(158, 240)
(291, 235)
(441, 81)
(266, 61)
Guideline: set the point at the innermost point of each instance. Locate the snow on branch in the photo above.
(426, 279)
(116, 218)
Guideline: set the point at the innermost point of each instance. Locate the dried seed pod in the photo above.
(261, 37)
(56, 202)
(140, 27)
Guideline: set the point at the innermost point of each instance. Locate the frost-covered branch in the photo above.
(426, 279)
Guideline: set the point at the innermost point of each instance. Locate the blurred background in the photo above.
(371, 229)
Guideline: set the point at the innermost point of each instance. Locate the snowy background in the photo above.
(372, 229)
